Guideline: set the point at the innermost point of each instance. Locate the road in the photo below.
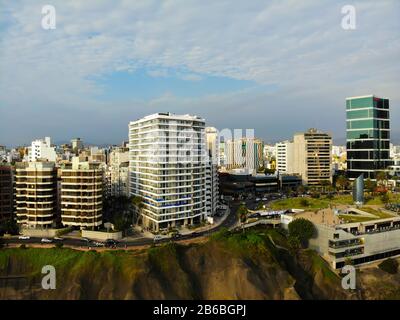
(229, 221)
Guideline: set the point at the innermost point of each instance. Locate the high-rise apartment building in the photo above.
(36, 194)
(246, 153)
(284, 157)
(168, 169)
(82, 194)
(312, 156)
(41, 149)
(117, 173)
(6, 192)
(212, 147)
(368, 136)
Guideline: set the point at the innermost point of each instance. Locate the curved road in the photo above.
(229, 221)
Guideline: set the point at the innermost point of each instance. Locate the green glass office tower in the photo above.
(368, 136)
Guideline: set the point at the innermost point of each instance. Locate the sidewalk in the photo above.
(186, 231)
(208, 227)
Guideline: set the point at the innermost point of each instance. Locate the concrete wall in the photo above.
(102, 236)
(41, 233)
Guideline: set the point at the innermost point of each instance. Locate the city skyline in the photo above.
(249, 69)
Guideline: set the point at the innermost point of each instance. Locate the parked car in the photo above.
(58, 239)
(176, 235)
(24, 237)
(98, 244)
(158, 237)
(111, 243)
(45, 240)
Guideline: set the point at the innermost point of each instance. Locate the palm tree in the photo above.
(242, 213)
(138, 204)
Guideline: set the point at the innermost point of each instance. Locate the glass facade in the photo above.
(368, 136)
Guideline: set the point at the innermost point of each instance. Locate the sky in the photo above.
(277, 67)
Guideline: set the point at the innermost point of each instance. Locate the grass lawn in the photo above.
(298, 203)
(323, 202)
(354, 218)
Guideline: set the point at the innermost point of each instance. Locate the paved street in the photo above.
(229, 222)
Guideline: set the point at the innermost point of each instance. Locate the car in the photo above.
(195, 234)
(158, 237)
(58, 239)
(258, 199)
(176, 235)
(264, 199)
(111, 243)
(98, 244)
(85, 239)
(45, 240)
(24, 237)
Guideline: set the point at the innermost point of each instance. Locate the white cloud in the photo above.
(297, 46)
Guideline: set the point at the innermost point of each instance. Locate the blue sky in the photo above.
(274, 66)
(148, 83)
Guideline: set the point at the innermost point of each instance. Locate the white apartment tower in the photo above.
(167, 163)
(41, 149)
(284, 157)
(212, 146)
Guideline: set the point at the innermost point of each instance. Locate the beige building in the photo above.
(82, 194)
(36, 194)
(312, 156)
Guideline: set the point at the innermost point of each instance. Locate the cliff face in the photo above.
(241, 266)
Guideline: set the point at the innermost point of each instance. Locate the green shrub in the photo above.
(389, 265)
(59, 245)
(304, 202)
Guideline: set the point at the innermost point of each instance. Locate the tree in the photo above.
(294, 244)
(342, 182)
(242, 213)
(385, 198)
(260, 206)
(301, 189)
(301, 228)
(370, 185)
(381, 178)
(138, 204)
(9, 226)
(324, 184)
